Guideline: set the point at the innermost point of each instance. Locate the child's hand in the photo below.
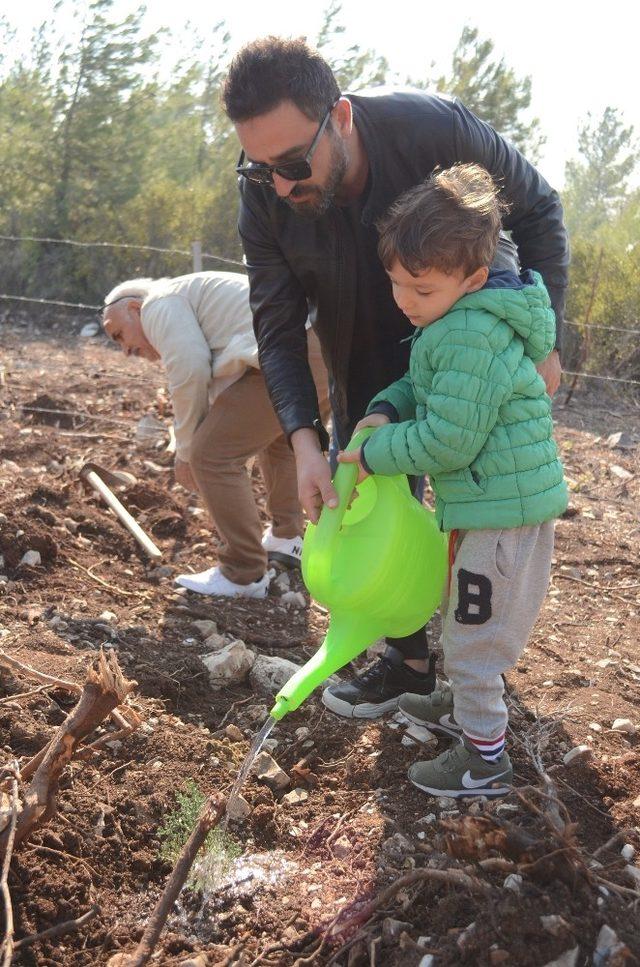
(353, 456)
(373, 419)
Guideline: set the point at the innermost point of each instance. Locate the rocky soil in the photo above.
(332, 823)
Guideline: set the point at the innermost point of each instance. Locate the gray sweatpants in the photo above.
(499, 580)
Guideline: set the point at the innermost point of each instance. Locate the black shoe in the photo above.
(377, 689)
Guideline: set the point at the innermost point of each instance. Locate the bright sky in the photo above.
(581, 57)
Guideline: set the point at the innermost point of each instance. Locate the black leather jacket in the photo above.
(301, 267)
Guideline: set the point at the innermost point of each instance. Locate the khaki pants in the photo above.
(241, 424)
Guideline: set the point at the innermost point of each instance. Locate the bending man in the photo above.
(200, 327)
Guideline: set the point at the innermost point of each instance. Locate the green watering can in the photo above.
(379, 567)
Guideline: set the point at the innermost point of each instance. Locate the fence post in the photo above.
(196, 251)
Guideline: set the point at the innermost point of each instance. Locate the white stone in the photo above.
(513, 882)
(270, 673)
(609, 948)
(624, 725)
(427, 961)
(578, 752)
(628, 852)
(107, 616)
(295, 599)
(595, 727)
(90, 329)
(422, 834)
(156, 766)
(548, 683)
(150, 431)
(267, 769)
(445, 802)
(429, 819)
(620, 472)
(568, 959)
(620, 440)
(420, 734)
(605, 662)
(30, 559)
(215, 641)
(634, 874)
(342, 847)
(302, 733)
(229, 664)
(282, 582)
(206, 628)
(295, 797)
(554, 924)
(239, 808)
(405, 740)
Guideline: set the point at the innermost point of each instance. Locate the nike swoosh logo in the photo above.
(447, 721)
(470, 783)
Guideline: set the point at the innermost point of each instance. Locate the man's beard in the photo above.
(321, 196)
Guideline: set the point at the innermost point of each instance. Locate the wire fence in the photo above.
(197, 255)
(193, 253)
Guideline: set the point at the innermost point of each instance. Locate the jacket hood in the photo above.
(523, 302)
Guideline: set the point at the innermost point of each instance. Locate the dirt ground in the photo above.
(361, 825)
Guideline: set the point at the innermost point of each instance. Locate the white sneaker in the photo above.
(214, 582)
(286, 550)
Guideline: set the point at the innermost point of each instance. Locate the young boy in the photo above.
(473, 414)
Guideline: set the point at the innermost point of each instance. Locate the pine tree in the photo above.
(490, 89)
(597, 182)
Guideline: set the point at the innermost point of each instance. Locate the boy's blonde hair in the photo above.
(450, 221)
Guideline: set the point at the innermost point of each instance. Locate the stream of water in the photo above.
(258, 741)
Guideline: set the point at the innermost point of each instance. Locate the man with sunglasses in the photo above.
(317, 170)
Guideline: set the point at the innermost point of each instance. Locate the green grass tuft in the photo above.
(219, 850)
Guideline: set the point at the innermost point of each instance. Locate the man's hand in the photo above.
(353, 456)
(314, 474)
(373, 419)
(551, 371)
(183, 475)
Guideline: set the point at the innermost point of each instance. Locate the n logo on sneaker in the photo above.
(470, 783)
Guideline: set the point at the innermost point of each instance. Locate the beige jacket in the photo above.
(202, 327)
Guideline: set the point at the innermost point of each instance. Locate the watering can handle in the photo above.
(344, 481)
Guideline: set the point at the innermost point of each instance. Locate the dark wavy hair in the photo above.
(271, 70)
(450, 221)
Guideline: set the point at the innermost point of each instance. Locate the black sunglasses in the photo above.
(297, 170)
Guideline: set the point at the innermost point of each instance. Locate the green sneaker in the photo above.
(434, 710)
(460, 772)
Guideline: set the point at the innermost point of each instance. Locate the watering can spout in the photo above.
(344, 642)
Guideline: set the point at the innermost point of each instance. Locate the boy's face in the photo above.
(426, 297)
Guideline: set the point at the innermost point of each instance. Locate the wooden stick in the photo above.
(7, 942)
(121, 512)
(210, 816)
(58, 930)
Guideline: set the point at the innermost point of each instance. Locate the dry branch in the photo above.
(449, 877)
(104, 689)
(210, 816)
(8, 661)
(58, 930)
(7, 940)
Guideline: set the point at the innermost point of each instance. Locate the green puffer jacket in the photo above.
(476, 416)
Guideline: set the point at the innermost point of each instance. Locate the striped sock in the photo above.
(489, 749)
